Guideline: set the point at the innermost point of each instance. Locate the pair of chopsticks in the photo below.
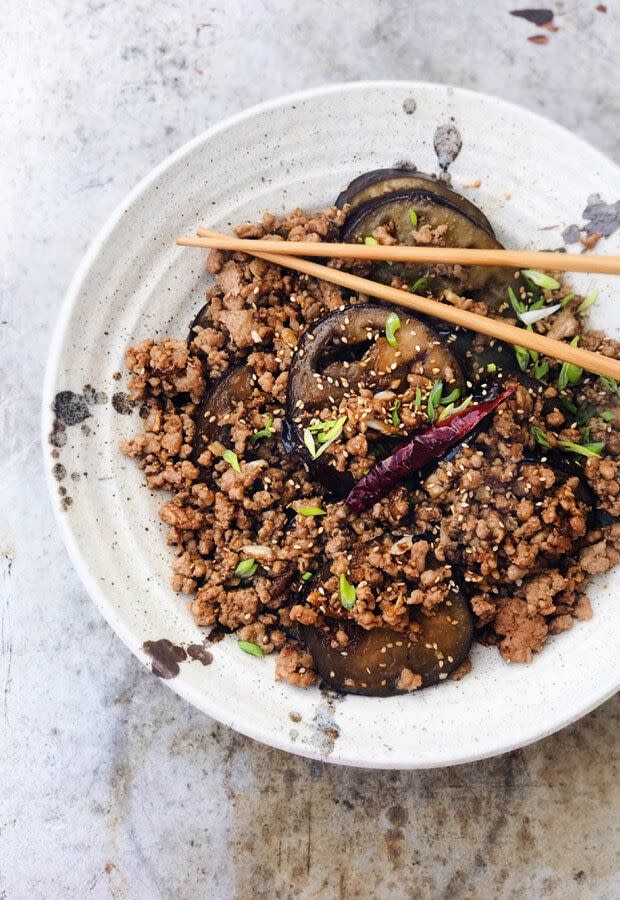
(288, 254)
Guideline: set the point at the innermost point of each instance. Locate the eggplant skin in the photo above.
(488, 283)
(202, 319)
(371, 663)
(379, 182)
(318, 352)
(235, 386)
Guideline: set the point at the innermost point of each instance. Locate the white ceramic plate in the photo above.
(134, 283)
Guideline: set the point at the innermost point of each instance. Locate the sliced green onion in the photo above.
(586, 434)
(491, 367)
(452, 396)
(246, 568)
(433, 399)
(395, 416)
(517, 305)
(392, 325)
(568, 405)
(588, 301)
(309, 442)
(531, 315)
(608, 416)
(610, 383)
(413, 218)
(306, 576)
(348, 594)
(540, 370)
(452, 410)
(582, 449)
(251, 648)
(569, 373)
(231, 458)
(332, 435)
(565, 300)
(541, 280)
(523, 357)
(420, 283)
(540, 437)
(265, 432)
(418, 399)
(310, 511)
(370, 240)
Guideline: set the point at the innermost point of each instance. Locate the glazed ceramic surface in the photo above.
(535, 181)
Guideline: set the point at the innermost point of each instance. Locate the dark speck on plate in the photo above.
(538, 17)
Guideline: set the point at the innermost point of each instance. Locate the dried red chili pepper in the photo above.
(422, 448)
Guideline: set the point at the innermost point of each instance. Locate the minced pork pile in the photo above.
(511, 528)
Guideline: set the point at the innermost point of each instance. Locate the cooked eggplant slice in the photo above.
(202, 319)
(344, 366)
(234, 387)
(386, 181)
(372, 661)
(443, 224)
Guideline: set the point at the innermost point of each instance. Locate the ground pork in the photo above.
(498, 518)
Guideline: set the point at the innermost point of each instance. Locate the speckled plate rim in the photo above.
(189, 692)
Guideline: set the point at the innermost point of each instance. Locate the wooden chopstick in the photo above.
(494, 328)
(516, 259)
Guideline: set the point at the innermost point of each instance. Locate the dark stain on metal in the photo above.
(59, 472)
(447, 142)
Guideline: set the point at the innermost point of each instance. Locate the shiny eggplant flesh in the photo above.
(346, 351)
(372, 661)
(380, 182)
(453, 229)
(482, 359)
(235, 387)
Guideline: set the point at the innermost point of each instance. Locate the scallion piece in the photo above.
(394, 411)
(433, 399)
(541, 280)
(348, 594)
(413, 218)
(392, 325)
(370, 241)
(565, 300)
(608, 416)
(306, 576)
(265, 432)
(610, 383)
(582, 449)
(420, 283)
(418, 399)
(540, 370)
(517, 305)
(246, 568)
(588, 301)
(251, 648)
(231, 458)
(452, 410)
(310, 511)
(540, 437)
(523, 357)
(569, 373)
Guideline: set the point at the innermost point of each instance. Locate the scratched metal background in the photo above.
(110, 786)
